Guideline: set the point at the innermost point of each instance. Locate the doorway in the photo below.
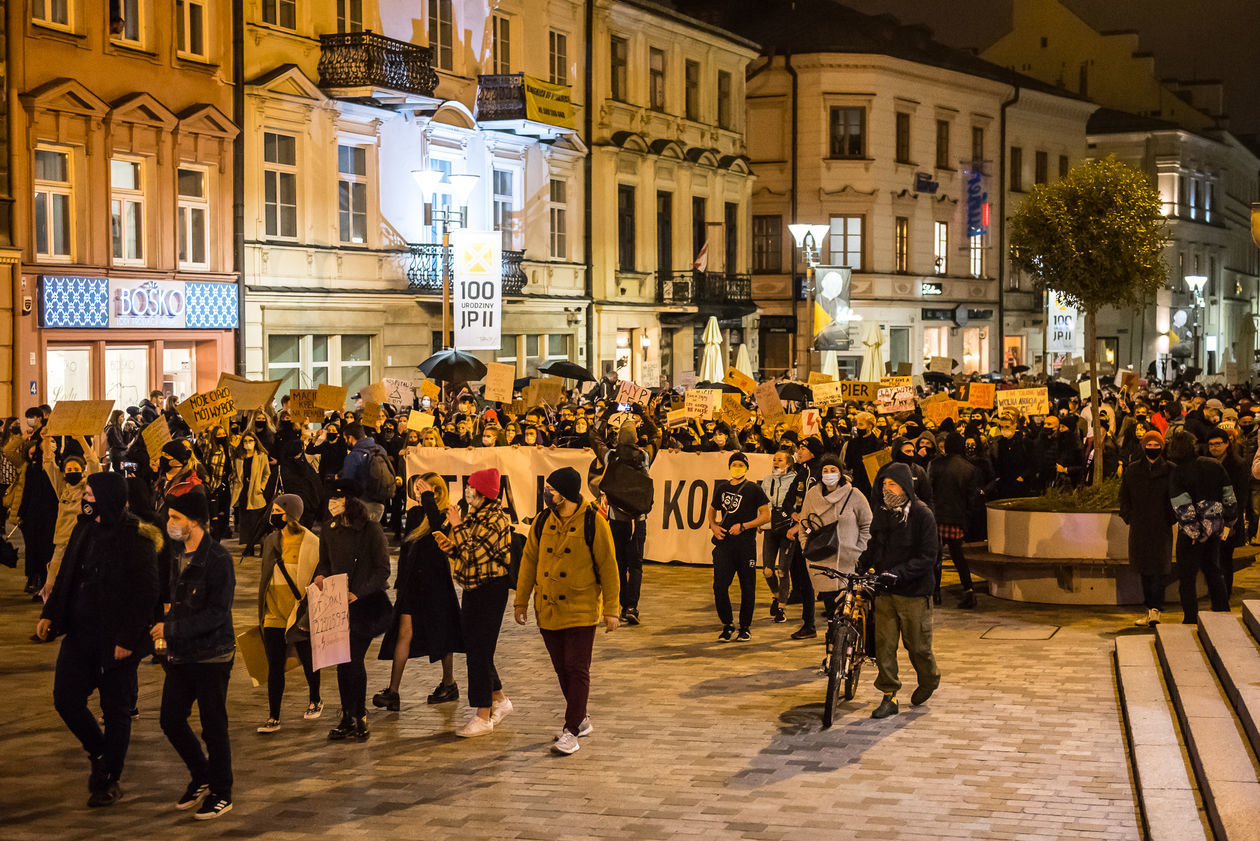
(127, 374)
(69, 370)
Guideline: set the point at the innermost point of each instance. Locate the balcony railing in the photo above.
(694, 287)
(424, 271)
(365, 59)
(508, 99)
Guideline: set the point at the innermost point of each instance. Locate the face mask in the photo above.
(472, 497)
(164, 465)
(738, 469)
(487, 440)
(1153, 454)
(73, 479)
(894, 500)
(554, 502)
(88, 508)
(174, 532)
(336, 507)
(32, 423)
(831, 479)
(277, 521)
(777, 471)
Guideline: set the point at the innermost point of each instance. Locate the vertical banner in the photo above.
(478, 289)
(831, 307)
(329, 612)
(1062, 336)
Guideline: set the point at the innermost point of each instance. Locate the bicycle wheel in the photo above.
(839, 636)
(855, 657)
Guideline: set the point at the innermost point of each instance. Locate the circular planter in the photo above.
(1050, 535)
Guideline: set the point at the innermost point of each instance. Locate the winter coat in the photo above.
(847, 510)
(1202, 498)
(907, 548)
(198, 625)
(259, 474)
(1013, 467)
(68, 496)
(1146, 508)
(426, 592)
(573, 585)
(858, 447)
(308, 560)
(955, 489)
(1240, 479)
(358, 549)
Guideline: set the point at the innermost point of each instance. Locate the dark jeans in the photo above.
(1191, 558)
(959, 558)
(352, 677)
(628, 537)
(37, 542)
(802, 585)
(205, 683)
(481, 616)
(1236, 539)
(397, 511)
(570, 651)
(1153, 591)
(776, 564)
(220, 513)
(277, 655)
(253, 526)
(728, 562)
(78, 673)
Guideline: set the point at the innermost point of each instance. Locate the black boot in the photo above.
(108, 794)
(387, 699)
(96, 777)
(343, 729)
(968, 600)
(886, 707)
(360, 733)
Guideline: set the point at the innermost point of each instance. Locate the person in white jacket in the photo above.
(843, 507)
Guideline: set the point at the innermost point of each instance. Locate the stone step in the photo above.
(1251, 616)
(1167, 793)
(1224, 766)
(1234, 653)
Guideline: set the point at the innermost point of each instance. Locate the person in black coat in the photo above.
(426, 615)
(101, 601)
(1204, 502)
(297, 477)
(956, 490)
(1014, 467)
(1060, 456)
(1239, 471)
(863, 443)
(902, 550)
(1145, 508)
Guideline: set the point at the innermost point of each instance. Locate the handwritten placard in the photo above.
(1029, 401)
(811, 422)
(156, 436)
(940, 364)
(329, 613)
(79, 417)
(740, 380)
(302, 408)
(938, 411)
(429, 389)
(701, 402)
(499, 380)
(980, 395)
(677, 418)
(399, 393)
(628, 392)
(331, 397)
(208, 409)
(845, 391)
(893, 399)
(769, 402)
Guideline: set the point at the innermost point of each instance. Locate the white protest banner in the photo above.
(702, 402)
(811, 423)
(399, 393)
(1029, 401)
(897, 398)
(329, 613)
(499, 380)
(478, 289)
(628, 392)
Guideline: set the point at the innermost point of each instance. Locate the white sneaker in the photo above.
(584, 729)
(272, 725)
(566, 744)
(499, 710)
(1152, 617)
(313, 711)
(1143, 621)
(476, 726)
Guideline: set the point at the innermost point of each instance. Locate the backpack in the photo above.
(588, 532)
(380, 483)
(628, 488)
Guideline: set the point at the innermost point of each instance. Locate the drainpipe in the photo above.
(796, 314)
(588, 89)
(238, 175)
(1001, 220)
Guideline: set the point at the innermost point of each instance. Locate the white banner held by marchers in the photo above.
(329, 613)
(478, 289)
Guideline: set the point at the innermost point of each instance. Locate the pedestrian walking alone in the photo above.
(739, 508)
(1146, 508)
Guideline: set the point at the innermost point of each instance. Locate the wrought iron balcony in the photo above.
(424, 271)
(515, 102)
(690, 288)
(366, 65)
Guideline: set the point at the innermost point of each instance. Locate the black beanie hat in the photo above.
(110, 490)
(567, 482)
(192, 504)
(737, 456)
(814, 445)
(177, 450)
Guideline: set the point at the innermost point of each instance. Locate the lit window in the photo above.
(190, 28)
(283, 13)
(846, 241)
(280, 185)
(767, 243)
(442, 33)
(126, 207)
(976, 253)
(504, 183)
(901, 244)
(559, 212)
(848, 131)
(125, 23)
(501, 44)
(656, 79)
(53, 204)
(352, 194)
(940, 247)
(193, 215)
(54, 13)
(313, 360)
(558, 44)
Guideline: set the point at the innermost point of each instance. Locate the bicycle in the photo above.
(846, 637)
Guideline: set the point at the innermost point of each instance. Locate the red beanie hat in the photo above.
(485, 482)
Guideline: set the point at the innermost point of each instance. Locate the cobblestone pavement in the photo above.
(693, 738)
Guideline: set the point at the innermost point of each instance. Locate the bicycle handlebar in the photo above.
(851, 577)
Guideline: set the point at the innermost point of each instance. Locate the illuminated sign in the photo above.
(128, 303)
(977, 202)
(931, 288)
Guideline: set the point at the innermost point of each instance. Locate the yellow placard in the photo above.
(499, 380)
(302, 408)
(208, 409)
(740, 380)
(874, 461)
(156, 435)
(939, 410)
(815, 377)
(429, 389)
(331, 397)
(980, 395)
(248, 394)
(79, 417)
(1029, 401)
(419, 420)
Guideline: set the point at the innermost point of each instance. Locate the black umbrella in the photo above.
(568, 370)
(1019, 369)
(452, 366)
(1059, 390)
(937, 378)
(795, 391)
(725, 388)
(520, 384)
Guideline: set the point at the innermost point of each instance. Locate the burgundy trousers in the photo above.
(570, 651)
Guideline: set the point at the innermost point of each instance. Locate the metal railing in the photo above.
(424, 269)
(695, 287)
(362, 59)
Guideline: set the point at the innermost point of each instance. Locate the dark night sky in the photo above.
(1217, 39)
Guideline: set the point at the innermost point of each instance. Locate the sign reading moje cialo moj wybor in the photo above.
(478, 289)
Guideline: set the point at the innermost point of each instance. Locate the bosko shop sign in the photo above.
(147, 303)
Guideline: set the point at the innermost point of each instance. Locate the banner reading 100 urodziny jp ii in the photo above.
(677, 527)
(478, 289)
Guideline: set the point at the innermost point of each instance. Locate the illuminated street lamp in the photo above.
(456, 216)
(1196, 282)
(809, 239)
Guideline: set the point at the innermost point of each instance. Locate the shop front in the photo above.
(112, 338)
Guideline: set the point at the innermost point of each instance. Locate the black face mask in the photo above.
(554, 502)
(164, 465)
(73, 479)
(1153, 454)
(277, 521)
(88, 509)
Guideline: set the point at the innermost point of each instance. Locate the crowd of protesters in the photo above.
(124, 546)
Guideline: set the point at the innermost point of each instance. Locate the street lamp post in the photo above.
(1196, 282)
(809, 239)
(449, 217)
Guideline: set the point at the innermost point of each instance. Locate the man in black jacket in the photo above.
(1239, 471)
(101, 601)
(902, 550)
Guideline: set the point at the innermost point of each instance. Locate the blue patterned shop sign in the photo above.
(212, 306)
(74, 301)
(97, 302)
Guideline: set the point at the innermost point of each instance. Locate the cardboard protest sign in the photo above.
(740, 380)
(419, 420)
(701, 402)
(893, 382)
(872, 462)
(156, 435)
(768, 401)
(499, 380)
(331, 397)
(677, 418)
(938, 411)
(844, 391)
(811, 422)
(940, 364)
(1127, 380)
(980, 395)
(549, 390)
(374, 393)
(816, 377)
(733, 411)
(628, 392)
(1029, 401)
(329, 613)
(208, 409)
(399, 393)
(248, 394)
(372, 416)
(429, 389)
(1086, 388)
(651, 374)
(302, 408)
(905, 369)
(893, 399)
(79, 417)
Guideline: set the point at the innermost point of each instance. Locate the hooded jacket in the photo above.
(907, 548)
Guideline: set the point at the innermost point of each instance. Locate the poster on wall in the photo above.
(478, 289)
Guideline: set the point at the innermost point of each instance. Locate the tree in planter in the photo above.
(1096, 238)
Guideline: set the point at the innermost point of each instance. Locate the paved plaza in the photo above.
(693, 739)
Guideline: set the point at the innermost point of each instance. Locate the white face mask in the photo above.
(472, 497)
(336, 507)
(174, 532)
(778, 471)
(831, 479)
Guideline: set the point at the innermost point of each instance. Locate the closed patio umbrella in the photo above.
(711, 367)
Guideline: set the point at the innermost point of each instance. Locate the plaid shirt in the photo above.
(483, 544)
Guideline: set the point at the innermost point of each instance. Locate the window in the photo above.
(52, 203)
(193, 213)
(846, 241)
(355, 362)
(442, 33)
(281, 13)
(125, 24)
(54, 13)
(940, 247)
(280, 185)
(1063, 166)
(975, 251)
(1194, 198)
(504, 184)
(558, 212)
(618, 54)
(942, 144)
(352, 194)
(442, 200)
(903, 138)
(557, 346)
(848, 132)
(731, 220)
(558, 51)
(724, 115)
(1209, 199)
(692, 74)
(656, 79)
(699, 224)
(349, 16)
(126, 210)
(1041, 168)
(314, 360)
(767, 243)
(977, 143)
(501, 44)
(190, 31)
(625, 228)
(901, 244)
(1017, 169)
(507, 348)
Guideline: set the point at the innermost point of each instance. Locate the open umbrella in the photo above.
(831, 365)
(795, 391)
(1059, 390)
(873, 353)
(725, 388)
(711, 367)
(742, 363)
(568, 370)
(452, 366)
(1018, 369)
(937, 378)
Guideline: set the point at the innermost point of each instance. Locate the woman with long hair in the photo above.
(251, 469)
(426, 616)
(116, 441)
